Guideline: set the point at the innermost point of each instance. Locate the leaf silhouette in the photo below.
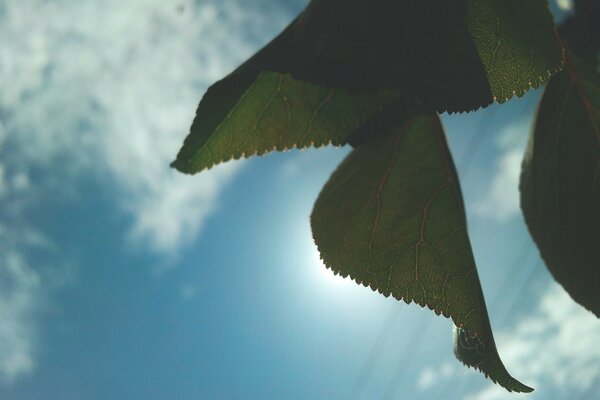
(580, 31)
(391, 217)
(560, 181)
(428, 55)
(421, 48)
(452, 55)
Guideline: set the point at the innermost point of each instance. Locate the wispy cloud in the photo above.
(106, 91)
(431, 376)
(500, 200)
(26, 291)
(19, 284)
(566, 5)
(555, 349)
(111, 87)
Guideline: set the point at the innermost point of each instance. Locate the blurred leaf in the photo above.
(391, 217)
(580, 30)
(560, 181)
(516, 42)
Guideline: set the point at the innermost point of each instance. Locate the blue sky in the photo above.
(122, 279)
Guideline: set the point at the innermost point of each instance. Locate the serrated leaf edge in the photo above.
(525, 388)
(259, 153)
(536, 84)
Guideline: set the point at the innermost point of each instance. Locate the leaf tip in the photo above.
(181, 166)
(473, 352)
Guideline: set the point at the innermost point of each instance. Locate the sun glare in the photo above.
(325, 274)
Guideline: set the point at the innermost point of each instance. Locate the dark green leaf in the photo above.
(254, 111)
(276, 112)
(444, 55)
(560, 181)
(451, 55)
(421, 48)
(391, 217)
(516, 42)
(580, 31)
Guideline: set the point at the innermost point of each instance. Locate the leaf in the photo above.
(560, 181)
(402, 55)
(452, 55)
(421, 48)
(580, 30)
(391, 217)
(516, 42)
(276, 113)
(260, 107)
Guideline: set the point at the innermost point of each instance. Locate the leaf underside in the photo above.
(391, 217)
(403, 55)
(560, 181)
(516, 43)
(450, 55)
(275, 113)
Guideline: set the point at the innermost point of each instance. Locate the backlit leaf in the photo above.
(260, 107)
(434, 55)
(276, 113)
(516, 43)
(560, 181)
(392, 218)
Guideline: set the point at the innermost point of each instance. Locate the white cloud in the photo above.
(25, 292)
(555, 349)
(566, 5)
(432, 376)
(427, 378)
(501, 199)
(2, 181)
(19, 284)
(112, 87)
(105, 90)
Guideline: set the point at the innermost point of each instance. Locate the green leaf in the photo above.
(580, 30)
(260, 107)
(516, 42)
(391, 217)
(421, 48)
(433, 55)
(452, 55)
(560, 181)
(275, 112)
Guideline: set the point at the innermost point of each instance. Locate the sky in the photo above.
(123, 279)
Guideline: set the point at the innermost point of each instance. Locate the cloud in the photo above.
(110, 88)
(501, 199)
(188, 291)
(26, 284)
(25, 292)
(555, 349)
(19, 284)
(565, 5)
(427, 378)
(432, 376)
(105, 91)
